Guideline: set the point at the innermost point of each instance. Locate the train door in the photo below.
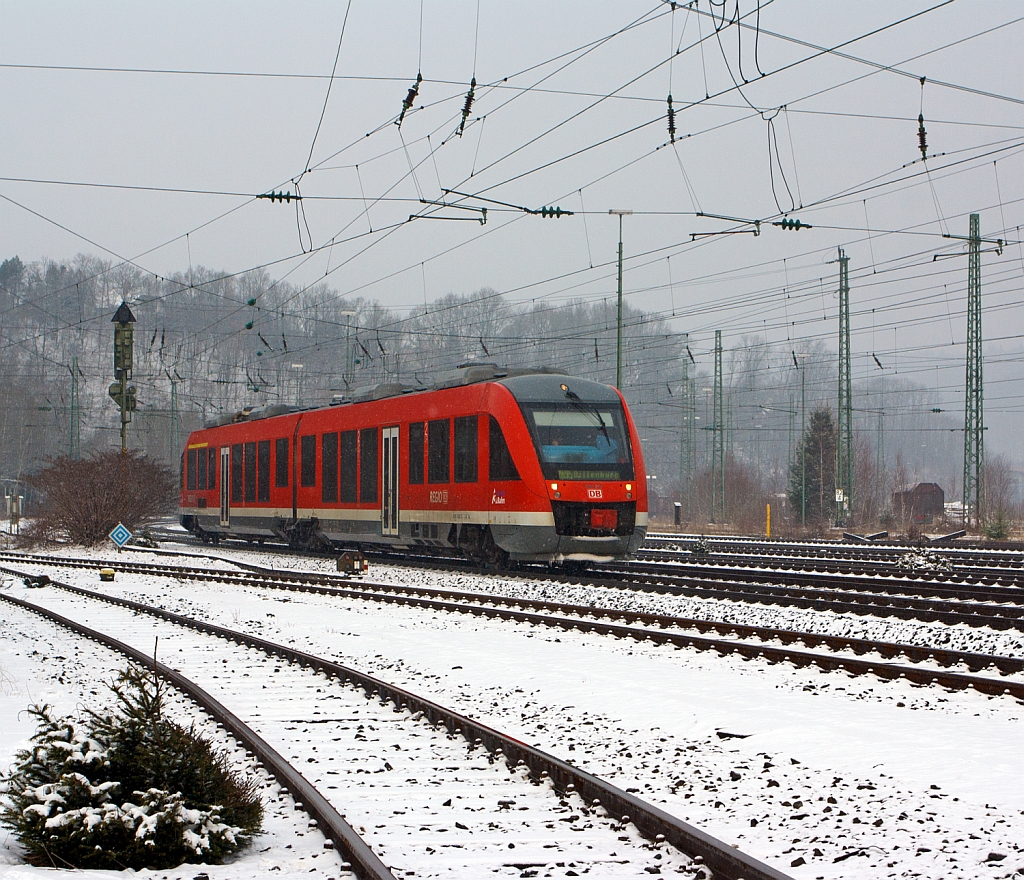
(225, 485)
(389, 482)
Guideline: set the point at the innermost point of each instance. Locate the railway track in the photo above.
(537, 799)
(661, 568)
(889, 597)
(886, 553)
(751, 642)
(959, 576)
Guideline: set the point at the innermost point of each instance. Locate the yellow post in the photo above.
(767, 520)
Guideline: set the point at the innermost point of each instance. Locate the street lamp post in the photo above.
(620, 213)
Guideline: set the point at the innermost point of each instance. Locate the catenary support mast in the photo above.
(974, 421)
(718, 440)
(844, 447)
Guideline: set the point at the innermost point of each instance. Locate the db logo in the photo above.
(438, 496)
(595, 494)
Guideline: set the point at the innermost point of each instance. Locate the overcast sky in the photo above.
(202, 106)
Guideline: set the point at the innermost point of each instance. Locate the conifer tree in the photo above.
(817, 453)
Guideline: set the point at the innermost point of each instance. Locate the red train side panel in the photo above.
(527, 466)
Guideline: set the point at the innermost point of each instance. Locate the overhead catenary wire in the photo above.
(591, 261)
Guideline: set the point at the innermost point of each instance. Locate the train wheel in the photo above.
(496, 559)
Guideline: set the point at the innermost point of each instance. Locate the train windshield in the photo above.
(580, 441)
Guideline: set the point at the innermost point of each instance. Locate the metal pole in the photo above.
(620, 213)
(718, 447)
(803, 446)
(974, 440)
(125, 395)
(685, 436)
(844, 448)
(75, 438)
(618, 322)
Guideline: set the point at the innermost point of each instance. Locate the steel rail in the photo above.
(651, 821)
(341, 835)
(856, 602)
(962, 575)
(1010, 554)
(889, 581)
(945, 657)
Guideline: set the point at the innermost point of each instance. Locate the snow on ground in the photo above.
(959, 637)
(41, 663)
(924, 782)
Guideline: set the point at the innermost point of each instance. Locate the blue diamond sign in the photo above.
(120, 535)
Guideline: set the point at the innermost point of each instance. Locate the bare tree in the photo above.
(82, 501)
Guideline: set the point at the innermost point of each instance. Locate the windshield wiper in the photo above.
(576, 403)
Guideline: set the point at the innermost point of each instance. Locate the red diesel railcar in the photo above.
(524, 465)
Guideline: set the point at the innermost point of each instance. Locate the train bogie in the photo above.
(496, 466)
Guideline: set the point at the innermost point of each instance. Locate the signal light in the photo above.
(131, 403)
(792, 223)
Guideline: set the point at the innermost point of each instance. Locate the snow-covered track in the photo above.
(360, 857)
(958, 573)
(881, 603)
(584, 793)
(752, 642)
(888, 591)
(888, 580)
(1004, 555)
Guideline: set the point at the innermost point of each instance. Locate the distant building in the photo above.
(921, 504)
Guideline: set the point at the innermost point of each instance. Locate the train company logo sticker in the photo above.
(595, 494)
(438, 496)
(498, 497)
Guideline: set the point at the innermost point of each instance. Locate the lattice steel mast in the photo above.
(974, 421)
(844, 446)
(718, 440)
(685, 431)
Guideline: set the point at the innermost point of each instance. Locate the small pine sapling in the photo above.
(126, 788)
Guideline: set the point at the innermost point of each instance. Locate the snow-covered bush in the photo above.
(126, 789)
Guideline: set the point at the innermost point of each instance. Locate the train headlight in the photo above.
(554, 487)
(629, 487)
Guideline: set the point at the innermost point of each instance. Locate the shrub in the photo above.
(998, 529)
(82, 501)
(127, 788)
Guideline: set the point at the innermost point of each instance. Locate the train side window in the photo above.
(466, 449)
(349, 460)
(211, 468)
(250, 471)
(368, 440)
(416, 453)
(191, 470)
(263, 471)
(201, 469)
(281, 462)
(308, 466)
(501, 466)
(438, 451)
(329, 467)
(236, 472)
